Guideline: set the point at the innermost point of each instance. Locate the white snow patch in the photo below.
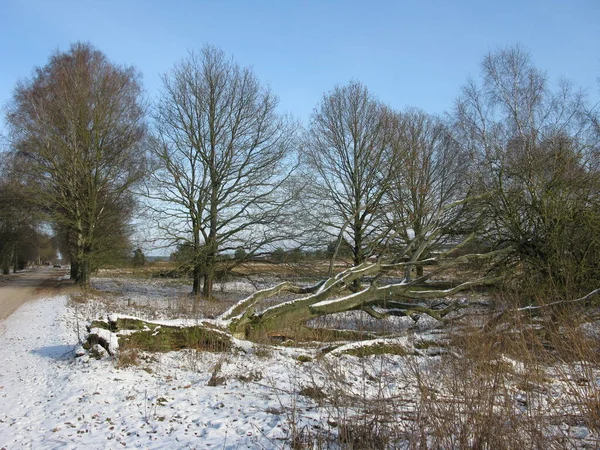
(49, 399)
(337, 300)
(107, 336)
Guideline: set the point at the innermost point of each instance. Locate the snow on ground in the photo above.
(166, 298)
(254, 396)
(49, 399)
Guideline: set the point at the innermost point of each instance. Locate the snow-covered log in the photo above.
(335, 295)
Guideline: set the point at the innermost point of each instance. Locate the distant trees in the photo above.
(183, 257)
(536, 152)
(340, 250)
(240, 254)
(346, 150)
(17, 224)
(77, 126)
(278, 255)
(221, 156)
(139, 259)
(20, 238)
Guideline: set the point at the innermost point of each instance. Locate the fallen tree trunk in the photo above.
(127, 332)
(331, 297)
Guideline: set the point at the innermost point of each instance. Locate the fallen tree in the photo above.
(336, 295)
(123, 332)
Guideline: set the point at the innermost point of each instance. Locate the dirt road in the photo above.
(19, 288)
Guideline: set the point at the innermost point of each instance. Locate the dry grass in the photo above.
(496, 385)
(165, 339)
(168, 269)
(128, 357)
(525, 384)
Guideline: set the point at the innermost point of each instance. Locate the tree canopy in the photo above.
(77, 126)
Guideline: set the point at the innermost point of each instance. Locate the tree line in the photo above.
(217, 170)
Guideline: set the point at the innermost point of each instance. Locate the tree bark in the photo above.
(197, 277)
(209, 274)
(392, 299)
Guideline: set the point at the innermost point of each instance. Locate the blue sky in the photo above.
(408, 53)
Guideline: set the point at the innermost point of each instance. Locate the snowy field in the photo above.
(254, 396)
(52, 400)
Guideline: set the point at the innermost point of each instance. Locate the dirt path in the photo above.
(17, 289)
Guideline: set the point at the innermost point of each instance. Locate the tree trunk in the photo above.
(15, 260)
(78, 256)
(394, 299)
(5, 264)
(209, 274)
(74, 269)
(207, 288)
(211, 257)
(197, 277)
(83, 276)
(80, 271)
(357, 253)
(330, 296)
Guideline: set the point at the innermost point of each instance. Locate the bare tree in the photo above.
(427, 187)
(535, 150)
(77, 125)
(346, 150)
(221, 158)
